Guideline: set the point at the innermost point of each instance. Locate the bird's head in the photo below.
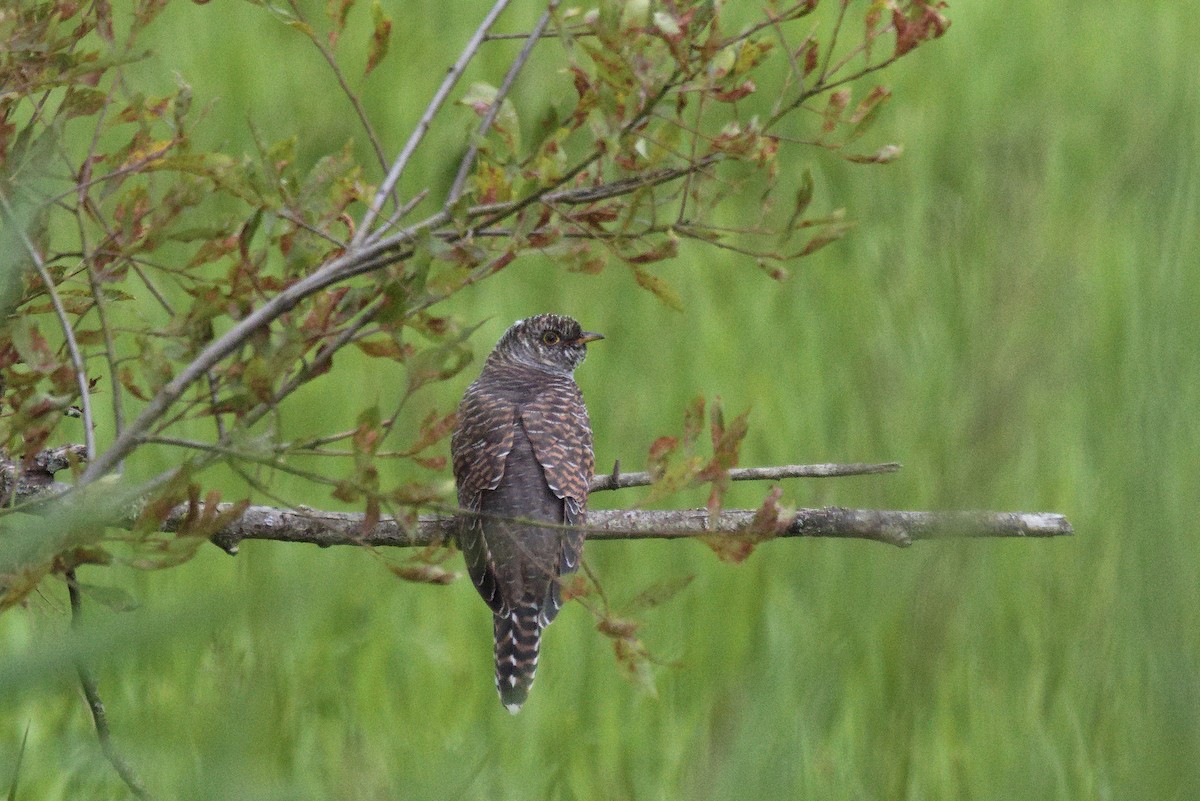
(549, 342)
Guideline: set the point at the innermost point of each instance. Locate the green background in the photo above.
(1015, 319)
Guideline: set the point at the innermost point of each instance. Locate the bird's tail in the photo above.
(518, 637)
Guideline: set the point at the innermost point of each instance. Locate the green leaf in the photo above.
(480, 98)
(301, 26)
(12, 788)
(83, 102)
(666, 23)
(751, 54)
(32, 347)
(804, 196)
(338, 12)
(441, 361)
(113, 598)
(867, 111)
(657, 594)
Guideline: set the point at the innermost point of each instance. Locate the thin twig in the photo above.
(578, 32)
(81, 210)
(295, 219)
(110, 345)
(833, 37)
(330, 59)
(125, 169)
(81, 379)
(399, 214)
(618, 480)
(418, 133)
(91, 691)
(485, 125)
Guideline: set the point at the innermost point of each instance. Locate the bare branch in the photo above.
(900, 528)
(618, 480)
(326, 528)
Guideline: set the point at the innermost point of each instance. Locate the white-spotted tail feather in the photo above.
(518, 639)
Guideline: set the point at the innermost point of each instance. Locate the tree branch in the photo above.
(900, 528)
(324, 528)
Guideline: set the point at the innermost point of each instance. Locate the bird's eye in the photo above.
(550, 338)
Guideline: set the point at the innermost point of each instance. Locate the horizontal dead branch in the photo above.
(34, 487)
(891, 527)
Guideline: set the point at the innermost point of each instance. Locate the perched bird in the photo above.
(522, 453)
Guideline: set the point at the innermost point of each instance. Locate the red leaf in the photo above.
(923, 22)
(811, 52)
(660, 449)
(770, 520)
(736, 93)
(833, 110)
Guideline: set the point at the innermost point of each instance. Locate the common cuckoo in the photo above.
(523, 453)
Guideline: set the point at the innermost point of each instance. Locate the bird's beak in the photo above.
(586, 337)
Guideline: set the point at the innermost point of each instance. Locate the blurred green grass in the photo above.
(1014, 319)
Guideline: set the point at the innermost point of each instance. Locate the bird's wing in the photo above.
(479, 448)
(556, 422)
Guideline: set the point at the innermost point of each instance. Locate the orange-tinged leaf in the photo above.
(338, 11)
(422, 573)
(830, 233)
(575, 587)
(434, 428)
(661, 289)
(660, 449)
(770, 520)
(385, 348)
(33, 348)
(811, 56)
(617, 627)
(632, 655)
(923, 22)
(125, 376)
(381, 35)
